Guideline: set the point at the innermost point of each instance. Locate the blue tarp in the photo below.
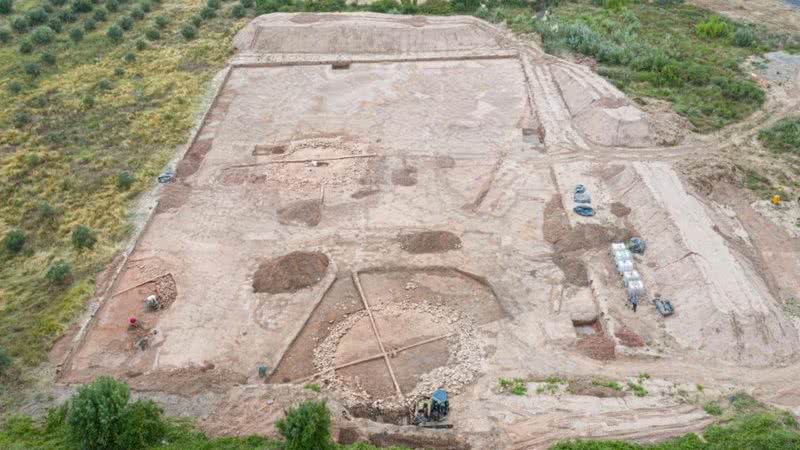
(586, 211)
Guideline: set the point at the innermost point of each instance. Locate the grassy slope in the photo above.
(69, 153)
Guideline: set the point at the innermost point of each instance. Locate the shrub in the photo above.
(96, 413)
(712, 409)
(119, 72)
(744, 37)
(25, 46)
(81, 6)
(306, 426)
(196, 21)
(126, 23)
(55, 24)
(384, 6)
(137, 13)
(32, 69)
(5, 35)
(87, 101)
(6, 6)
(436, 8)
(314, 387)
(100, 14)
(45, 211)
(67, 16)
(5, 360)
(14, 87)
(76, 34)
(20, 24)
(207, 13)
(714, 27)
(37, 16)
(638, 389)
(146, 6)
(140, 44)
(129, 57)
(161, 22)
(124, 181)
(21, 119)
(142, 425)
(59, 273)
(152, 34)
(43, 35)
(104, 85)
(14, 240)
(48, 58)
(90, 25)
(213, 4)
(188, 31)
(112, 5)
(246, 3)
(238, 11)
(83, 237)
(114, 33)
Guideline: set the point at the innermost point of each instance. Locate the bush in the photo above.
(5, 35)
(48, 58)
(76, 35)
(20, 24)
(384, 6)
(25, 46)
(112, 5)
(712, 409)
(714, 27)
(32, 69)
(43, 35)
(189, 31)
(14, 87)
(213, 4)
(55, 24)
(306, 427)
(137, 13)
(238, 11)
(87, 102)
(124, 181)
(114, 33)
(67, 16)
(744, 37)
(246, 3)
(436, 8)
(140, 44)
(6, 6)
(142, 425)
(152, 34)
(100, 14)
(196, 21)
(5, 360)
(20, 120)
(119, 72)
(161, 22)
(207, 13)
(14, 240)
(146, 6)
(129, 57)
(37, 16)
(126, 23)
(90, 25)
(81, 6)
(96, 414)
(59, 273)
(83, 237)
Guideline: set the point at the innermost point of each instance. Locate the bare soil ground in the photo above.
(396, 225)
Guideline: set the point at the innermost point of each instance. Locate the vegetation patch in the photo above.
(517, 386)
(783, 137)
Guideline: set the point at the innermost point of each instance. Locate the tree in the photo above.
(6, 6)
(83, 237)
(307, 427)
(188, 31)
(76, 35)
(59, 273)
(114, 33)
(14, 241)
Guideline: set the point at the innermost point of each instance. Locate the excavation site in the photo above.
(378, 207)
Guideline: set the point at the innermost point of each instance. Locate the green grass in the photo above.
(517, 386)
(637, 389)
(608, 384)
(783, 137)
(679, 53)
(712, 409)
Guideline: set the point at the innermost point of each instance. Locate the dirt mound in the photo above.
(597, 347)
(555, 224)
(574, 269)
(407, 176)
(628, 338)
(583, 386)
(305, 212)
(706, 174)
(291, 272)
(619, 209)
(364, 193)
(191, 162)
(173, 196)
(166, 290)
(430, 242)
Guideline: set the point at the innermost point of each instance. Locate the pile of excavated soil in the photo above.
(555, 224)
(590, 236)
(619, 209)
(166, 290)
(291, 272)
(599, 347)
(430, 242)
(574, 269)
(583, 386)
(191, 162)
(173, 196)
(363, 193)
(407, 176)
(305, 212)
(628, 338)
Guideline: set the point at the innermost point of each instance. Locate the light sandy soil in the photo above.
(776, 14)
(392, 126)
